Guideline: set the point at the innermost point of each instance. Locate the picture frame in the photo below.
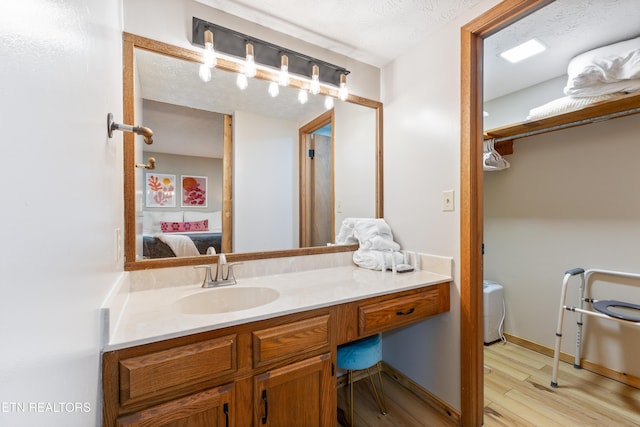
(193, 191)
(160, 190)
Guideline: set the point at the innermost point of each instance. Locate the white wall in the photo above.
(62, 200)
(421, 95)
(354, 162)
(265, 183)
(515, 107)
(570, 199)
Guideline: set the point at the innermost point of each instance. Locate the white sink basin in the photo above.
(225, 300)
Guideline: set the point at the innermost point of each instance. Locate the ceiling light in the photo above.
(315, 79)
(250, 64)
(274, 90)
(523, 51)
(343, 92)
(209, 53)
(284, 71)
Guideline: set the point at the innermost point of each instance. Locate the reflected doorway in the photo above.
(316, 182)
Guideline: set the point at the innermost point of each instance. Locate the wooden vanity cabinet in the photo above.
(218, 378)
(369, 316)
(274, 372)
(297, 395)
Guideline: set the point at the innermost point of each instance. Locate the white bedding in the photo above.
(615, 65)
(180, 245)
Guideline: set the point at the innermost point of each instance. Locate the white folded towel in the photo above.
(366, 229)
(345, 235)
(380, 243)
(179, 244)
(377, 260)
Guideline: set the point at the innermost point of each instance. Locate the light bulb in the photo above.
(315, 80)
(303, 97)
(250, 64)
(343, 92)
(204, 73)
(328, 102)
(242, 82)
(209, 53)
(283, 78)
(274, 90)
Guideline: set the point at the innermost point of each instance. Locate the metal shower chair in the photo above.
(618, 311)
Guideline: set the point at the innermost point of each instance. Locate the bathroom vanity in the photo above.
(273, 364)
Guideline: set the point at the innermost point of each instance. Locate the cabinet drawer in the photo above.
(157, 373)
(291, 339)
(209, 408)
(388, 314)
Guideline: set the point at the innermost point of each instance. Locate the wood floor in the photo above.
(517, 393)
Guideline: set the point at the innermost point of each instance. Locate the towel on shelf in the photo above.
(180, 245)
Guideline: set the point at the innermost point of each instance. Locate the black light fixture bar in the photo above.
(233, 43)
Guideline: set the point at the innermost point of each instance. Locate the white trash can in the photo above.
(493, 311)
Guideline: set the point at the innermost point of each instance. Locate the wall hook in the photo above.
(140, 130)
(151, 164)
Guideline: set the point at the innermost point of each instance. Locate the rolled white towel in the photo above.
(366, 229)
(376, 260)
(345, 235)
(380, 243)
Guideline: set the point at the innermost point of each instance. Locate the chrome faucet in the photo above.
(221, 279)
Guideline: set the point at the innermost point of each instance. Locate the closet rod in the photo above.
(568, 125)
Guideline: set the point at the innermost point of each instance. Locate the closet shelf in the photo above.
(604, 110)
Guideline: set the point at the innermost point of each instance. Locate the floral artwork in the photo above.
(161, 190)
(194, 191)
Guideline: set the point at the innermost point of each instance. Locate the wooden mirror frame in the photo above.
(129, 43)
(471, 199)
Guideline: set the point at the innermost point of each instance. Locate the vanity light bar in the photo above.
(234, 43)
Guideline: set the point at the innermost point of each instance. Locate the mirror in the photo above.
(517, 92)
(251, 165)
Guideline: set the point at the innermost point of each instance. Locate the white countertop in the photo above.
(150, 316)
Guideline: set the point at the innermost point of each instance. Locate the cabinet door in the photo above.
(210, 408)
(296, 395)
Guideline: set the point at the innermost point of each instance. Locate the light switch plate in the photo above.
(447, 201)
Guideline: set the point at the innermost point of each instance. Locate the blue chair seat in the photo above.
(360, 354)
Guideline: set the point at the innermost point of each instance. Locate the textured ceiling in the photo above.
(567, 28)
(371, 31)
(377, 31)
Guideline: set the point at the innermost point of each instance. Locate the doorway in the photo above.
(317, 182)
(471, 196)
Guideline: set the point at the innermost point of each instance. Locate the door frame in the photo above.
(315, 124)
(471, 198)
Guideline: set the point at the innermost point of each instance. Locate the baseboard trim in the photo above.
(627, 379)
(423, 394)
